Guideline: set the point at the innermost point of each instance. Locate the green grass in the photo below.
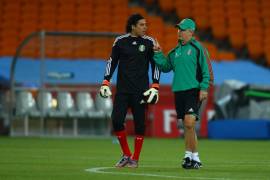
(67, 159)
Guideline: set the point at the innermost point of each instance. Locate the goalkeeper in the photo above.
(132, 53)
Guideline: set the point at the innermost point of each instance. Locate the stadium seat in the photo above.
(65, 104)
(200, 14)
(84, 104)
(24, 103)
(166, 5)
(156, 28)
(222, 16)
(183, 8)
(227, 56)
(44, 105)
(140, 10)
(220, 30)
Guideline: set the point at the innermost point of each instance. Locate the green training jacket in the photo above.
(185, 60)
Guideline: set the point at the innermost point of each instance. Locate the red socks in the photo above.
(138, 142)
(122, 138)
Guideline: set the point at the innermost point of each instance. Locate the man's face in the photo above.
(140, 28)
(185, 35)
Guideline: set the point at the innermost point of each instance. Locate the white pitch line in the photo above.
(99, 170)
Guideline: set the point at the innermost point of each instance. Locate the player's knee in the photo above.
(139, 129)
(189, 126)
(117, 126)
(189, 122)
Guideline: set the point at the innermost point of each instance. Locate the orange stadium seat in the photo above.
(82, 48)
(199, 10)
(169, 39)
(47, 25)
(228, 56)
(119, 3)
(140, 10)
(183, 8)
(156, 28)
(65, 26)
(83, 17)
(9, 40)
(253, 21)
(267, 45)
(237, 39)
(7, 24)
(120, 17)
(235, 4)
(27, 27)
(83, 27)
(219, 28)
(118, 28)
(166, 5)
(243, 22)
(48, 13)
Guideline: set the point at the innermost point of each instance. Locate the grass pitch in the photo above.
(93, 159)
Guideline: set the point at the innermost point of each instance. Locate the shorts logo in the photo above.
(191, 110)
(141, 48)
(134, 43)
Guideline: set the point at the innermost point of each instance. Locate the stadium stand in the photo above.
(90, 15)
(244, 23)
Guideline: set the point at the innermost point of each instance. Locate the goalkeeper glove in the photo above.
(151, 95)
(105, 90)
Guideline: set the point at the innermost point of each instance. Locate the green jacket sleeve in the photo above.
(162, 62)
(204, 85)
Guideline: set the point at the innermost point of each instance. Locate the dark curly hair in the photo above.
(133, 20)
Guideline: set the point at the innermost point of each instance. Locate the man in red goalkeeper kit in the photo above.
(132, 53)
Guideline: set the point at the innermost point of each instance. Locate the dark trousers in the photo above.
(120, 106)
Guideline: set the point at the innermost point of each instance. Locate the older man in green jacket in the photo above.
(191, 80)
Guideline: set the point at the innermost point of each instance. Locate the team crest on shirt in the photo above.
(141, 48)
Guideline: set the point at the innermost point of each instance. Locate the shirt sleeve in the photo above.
(162, 62)
(204, 69)
(210, 69)
(155, 69)
(112, 61)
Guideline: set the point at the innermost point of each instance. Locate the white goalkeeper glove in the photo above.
(151, 96)
(105, 89)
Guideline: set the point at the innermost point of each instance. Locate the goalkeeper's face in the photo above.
(140, 28)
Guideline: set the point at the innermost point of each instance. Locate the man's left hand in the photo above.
(203, 95)
(152, 95)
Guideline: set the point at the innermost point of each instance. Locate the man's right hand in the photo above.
(105, 91)
(156, 47)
